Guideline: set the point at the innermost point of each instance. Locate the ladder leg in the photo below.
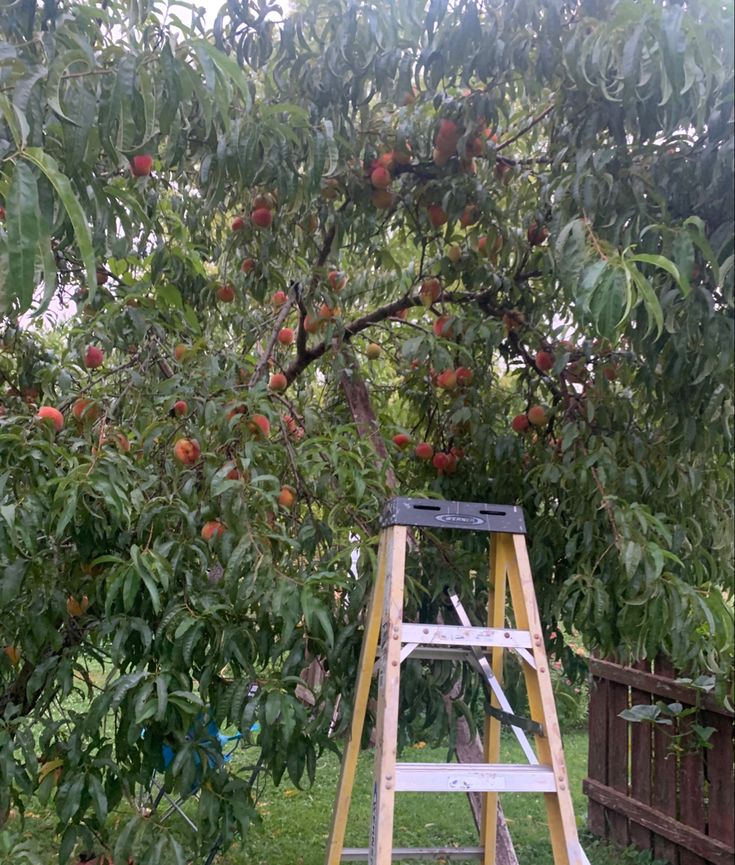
(381, 828)
(495, 619)
(336, 841)
(562, 825)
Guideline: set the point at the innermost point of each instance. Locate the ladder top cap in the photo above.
(438, 514)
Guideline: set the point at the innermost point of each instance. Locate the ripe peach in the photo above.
(285, 336)
(313, 325)
(278, 382)
(13, 654)
(610, 372)
(437, 215)
(187, 451)
(327, 312)
(401, 440)
(440, 461)
(536, 415)
(76, 608)
(237, 224)
(447, 380)
(294, 429)
(424, 451)
(212, 529)
(101, 276)
(180, 408)
(180, 350)
(490, 245)
(262, 217)
(263, 201)
(226, 293)
(86, 410)
(287, 497)
(120, 440)
(373, 351)
(464, 376)
(443, 326)
(279, 298)
(94, 357)
(49, 414)
(469, 216)
(141, 165)
(382, 199)
(380, 177)
(448, 136)
(440, 157)
(248, 265)
(474, 147)
(519, 423)
(430, 291)
(337, 280)
(454, 253)
(544, 360)
(260, 426)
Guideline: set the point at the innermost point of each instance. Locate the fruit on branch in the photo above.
(519, 423)
(437, 215)
(93, 357)
(295, 430)
(50, 415)
(401, 440)
(260, 426)
(262, 217)
(502, 172)
(464, 376)
(469, 216)
(278, 299)
(424, 451)
(443, 326)
(180, 408)
(454, 253)
(287, 497)
(536, 415)
(474, 147)
(141, 165)
(118, 439)
(440, 158)
(327, 312)
(181, 350)
(313, 325)
(13, 654)
(101, 275)
(447, 138)
(76, 608)
(86, 410)
(337, 279)
(187, 451)
(490, 246)
(237, 224)
(447, 380)
(263, 201)
(226, 292)
(234, 472)
(537, 234)
(212, 529)
(278, 382)
(373, 351)
(380, 177)
(285, 336)
(544, 360)
(248, 265)
(430, 291)
(382, 199)
(610, 372)
(330, 189)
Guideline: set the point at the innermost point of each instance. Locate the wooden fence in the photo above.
(681, 807)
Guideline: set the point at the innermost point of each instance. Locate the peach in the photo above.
(262, 217)
(544, 360)
(260, 426)
(212, 529)
(180, 408)
(437, 215)
(373, 351)
(49, 414)
(424, 451)
(226, 293)
(430, 291)
(86, 410)
(94, 357)
(380, 177)
(519, 423)
(287, 497)
(187, 451)
(285, 336)
(278, 382)
(401, 440)
(536, 415)
(447, 380)
(141, 165)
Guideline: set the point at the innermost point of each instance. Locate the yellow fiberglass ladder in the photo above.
(392, 640)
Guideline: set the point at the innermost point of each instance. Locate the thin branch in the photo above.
(266, 355)
(526, 128)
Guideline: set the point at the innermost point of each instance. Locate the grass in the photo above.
(295, 823)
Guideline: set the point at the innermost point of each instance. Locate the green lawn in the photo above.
(295, 823)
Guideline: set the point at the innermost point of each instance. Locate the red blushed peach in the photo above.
(51, 415)
(187, 451)
(212, 529)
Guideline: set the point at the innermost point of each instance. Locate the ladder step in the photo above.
(445, 854)
(456, 635)
(474, 777)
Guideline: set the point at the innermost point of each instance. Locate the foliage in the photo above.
(559, 167)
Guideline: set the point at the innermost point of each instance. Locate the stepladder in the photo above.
(389, 642)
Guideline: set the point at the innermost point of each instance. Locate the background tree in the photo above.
(491, 242)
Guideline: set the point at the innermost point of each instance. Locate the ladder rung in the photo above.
(474, 777)
(447, 854)
(455, 635)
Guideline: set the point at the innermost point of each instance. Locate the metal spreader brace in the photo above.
(545, 772)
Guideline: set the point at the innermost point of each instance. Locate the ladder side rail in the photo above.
(351, 754)
(562, 824)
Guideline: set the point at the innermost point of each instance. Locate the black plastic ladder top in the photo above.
(472, 516)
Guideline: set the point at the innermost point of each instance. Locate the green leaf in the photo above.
(17, 123)
(664, 264)
(23, 232)
(74, 209)
(56, 75)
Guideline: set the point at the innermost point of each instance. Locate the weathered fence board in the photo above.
(648, 789)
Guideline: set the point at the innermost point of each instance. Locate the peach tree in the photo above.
(256, 277)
